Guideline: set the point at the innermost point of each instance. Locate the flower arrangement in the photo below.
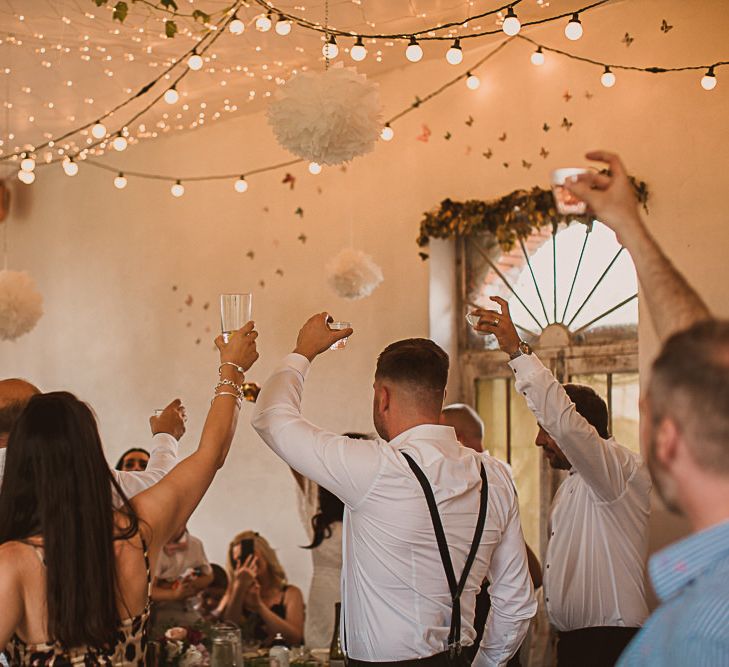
(184, 647)
(509, 218)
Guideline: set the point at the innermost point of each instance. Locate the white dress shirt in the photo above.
(594, 571)
(162, 459)
(396, 600)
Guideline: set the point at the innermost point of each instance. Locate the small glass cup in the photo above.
(566, 202)
(339, 326)
(235, 311)
(473, 319)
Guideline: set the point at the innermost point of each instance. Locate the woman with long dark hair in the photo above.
(322, 513)
(75, 571)
(135, 459)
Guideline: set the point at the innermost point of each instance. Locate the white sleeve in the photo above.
(162, 459)
(345, 467)
(512, 594)
(601, 463)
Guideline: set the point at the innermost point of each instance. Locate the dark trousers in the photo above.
(438, 660)
(592, 647)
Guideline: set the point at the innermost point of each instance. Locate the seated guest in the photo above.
(595, 564)
(258, 597)
(684, 435)
(211, 596)
(133, 460)
(75, 572)
(183, 571)
(410, 496)
(322, 514)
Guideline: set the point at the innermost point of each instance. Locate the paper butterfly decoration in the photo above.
(469, 122)
(544, 153)
(665, 27)
(424, 136)
(545, 127)
(488, 154)
(567, 96)
(567, 124)
(526, 165)
(447, 136)
(503, 137)
(628, 40)
(290, 179)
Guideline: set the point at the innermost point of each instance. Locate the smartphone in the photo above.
(246, 550)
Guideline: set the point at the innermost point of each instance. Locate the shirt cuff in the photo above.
(298, 362)
(165, 439)
(525, 365)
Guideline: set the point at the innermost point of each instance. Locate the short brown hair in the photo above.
(690, 384)
(591, 406)
(418, 362)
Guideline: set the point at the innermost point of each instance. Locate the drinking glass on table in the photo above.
(339, 326)
(235, 311)
(567, 203)
(230, 633)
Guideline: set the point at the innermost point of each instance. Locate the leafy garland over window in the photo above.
(509, 218)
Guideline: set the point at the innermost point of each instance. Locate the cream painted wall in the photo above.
(106, 261)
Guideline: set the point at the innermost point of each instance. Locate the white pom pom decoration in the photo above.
(327, 117)
(353, 274)
(21, 305)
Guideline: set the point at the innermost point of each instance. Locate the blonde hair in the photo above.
(259, 544)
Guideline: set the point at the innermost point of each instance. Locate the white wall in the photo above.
(117, 334)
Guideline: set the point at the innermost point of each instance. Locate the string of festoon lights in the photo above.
(470, 77)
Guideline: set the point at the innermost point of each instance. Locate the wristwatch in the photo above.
(524, 348)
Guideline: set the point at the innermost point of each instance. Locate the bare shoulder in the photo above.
(293, 594)
(12, 553)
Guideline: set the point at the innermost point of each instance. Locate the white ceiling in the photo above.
(63, 63)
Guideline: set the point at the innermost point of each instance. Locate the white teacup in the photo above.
(567, 203)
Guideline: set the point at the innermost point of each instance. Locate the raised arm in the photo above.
(672, 303)
(168, 504)
(328, 459)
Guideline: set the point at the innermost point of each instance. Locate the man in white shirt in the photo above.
(594, 569)
(397, 606)
(167, 429)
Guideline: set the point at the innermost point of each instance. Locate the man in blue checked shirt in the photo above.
(685, 440)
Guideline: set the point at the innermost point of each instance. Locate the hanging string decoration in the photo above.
(21, 304)
(327, 117)
(353, 274)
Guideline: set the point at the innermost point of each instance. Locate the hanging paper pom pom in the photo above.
(21, 305)
(353, 274)
(327, 117)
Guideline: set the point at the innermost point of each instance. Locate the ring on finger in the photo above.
(496, 322)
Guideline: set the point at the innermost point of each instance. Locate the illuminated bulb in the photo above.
(26, 177)
(283, 27)
(171, 95)
(263, 23)
(330, 50)
(241, 185)
(454, 55)
(538, 57)
(708, 81)
(27, 163)
(237, 26)
(511, 25)
(608, 78)
(195, 62)
(314, 168)
(573, 30)
(177, 189)
(473, 82)
(413, 53)
(70, 167)
(358, 52)
(387, 133)
(120, 142)
(120, 182)
(98, 131)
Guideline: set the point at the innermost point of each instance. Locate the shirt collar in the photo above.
(443, 434)
(677, 566)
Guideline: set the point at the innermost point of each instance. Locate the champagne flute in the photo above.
(235, 311)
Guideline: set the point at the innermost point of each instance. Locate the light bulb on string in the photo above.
(264, 23)
(26, 177)
(241, 185)
(177, 189)
(120, 182)
(708, 81)
(70, 167)
(120, 142)
(283, 26)
(314, 168)
(511, 25)
(387, 133)
(236, 26)
(454, 55)
(195, 61)
(98, 131)
(358, 52)
(330, 50)
(27, 163)
(472, 81)
(172, 96)
(608, 78)
(573, 30)
(414, 52)
(537, 57)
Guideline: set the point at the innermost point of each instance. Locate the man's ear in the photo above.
(667, 442)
